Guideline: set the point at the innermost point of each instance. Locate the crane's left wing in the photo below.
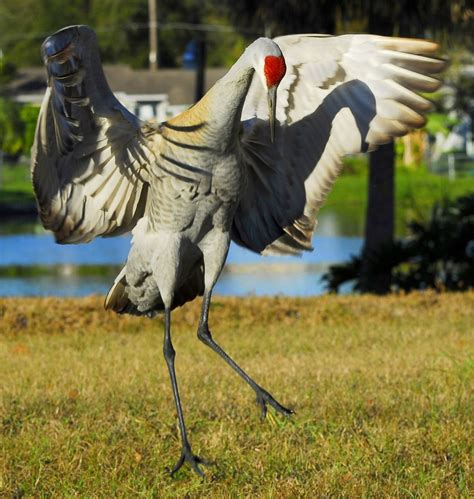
(91, 157)
(340, 95)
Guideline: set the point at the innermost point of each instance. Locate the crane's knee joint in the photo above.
(204, 335)
(169, 352)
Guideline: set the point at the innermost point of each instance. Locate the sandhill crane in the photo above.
(252, 162)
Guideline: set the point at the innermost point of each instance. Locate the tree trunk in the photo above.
(379, 221)
(379, 224)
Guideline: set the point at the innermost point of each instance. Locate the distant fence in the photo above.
(453, 164)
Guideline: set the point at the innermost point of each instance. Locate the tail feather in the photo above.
(118, 298)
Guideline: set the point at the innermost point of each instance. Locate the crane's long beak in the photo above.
(272, 101)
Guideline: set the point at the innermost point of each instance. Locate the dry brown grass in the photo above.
(382, 389)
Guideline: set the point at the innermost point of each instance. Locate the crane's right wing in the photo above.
(91, 155)
(340, 95)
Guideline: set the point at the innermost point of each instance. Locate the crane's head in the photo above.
(270, 66)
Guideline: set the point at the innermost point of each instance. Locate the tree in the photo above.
(24, 24)
(121, 26)
(279, 18)
(407, 18)
(10, 128)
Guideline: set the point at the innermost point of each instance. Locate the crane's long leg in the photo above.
(186, 453)
(263, 397)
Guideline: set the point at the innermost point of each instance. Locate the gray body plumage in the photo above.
(184, 226)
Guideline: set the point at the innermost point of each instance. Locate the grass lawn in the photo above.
(382, 388)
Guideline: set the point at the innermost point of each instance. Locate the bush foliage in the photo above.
(17, 127)
(437, 254)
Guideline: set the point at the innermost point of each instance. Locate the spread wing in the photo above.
(90, 156)
(340, 95)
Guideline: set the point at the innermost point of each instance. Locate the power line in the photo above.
(222, 28)
(210, 28)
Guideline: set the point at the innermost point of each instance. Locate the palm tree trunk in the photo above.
(379, 221)
(379, 224)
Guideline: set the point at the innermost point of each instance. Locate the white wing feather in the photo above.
(340, 95)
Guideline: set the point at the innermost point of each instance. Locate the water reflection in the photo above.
(245, 272)
(332, 221)
(296, 281)
(272, 280)
(31, 249)
(72, 285)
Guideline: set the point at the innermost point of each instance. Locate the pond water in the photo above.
(245, 273)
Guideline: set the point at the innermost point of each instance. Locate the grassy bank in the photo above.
(17, 200)
(15, 185)
(382, 389)
(416, 192)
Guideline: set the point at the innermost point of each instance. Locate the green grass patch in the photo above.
(15, 185)
(382, 388)
(416, 191)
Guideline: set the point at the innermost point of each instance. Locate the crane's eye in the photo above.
(274, 69)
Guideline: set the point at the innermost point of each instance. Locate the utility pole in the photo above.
(153, 35)
(200, 66)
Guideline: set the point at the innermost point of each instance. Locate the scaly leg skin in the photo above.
(186, 452)
(263, 397)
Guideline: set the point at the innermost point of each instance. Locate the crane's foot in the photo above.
(188, 456)
(264, 398)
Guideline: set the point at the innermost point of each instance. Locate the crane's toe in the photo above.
(194, 461)
(264, 398)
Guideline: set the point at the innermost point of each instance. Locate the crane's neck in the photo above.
(217, 115)
(227, 97)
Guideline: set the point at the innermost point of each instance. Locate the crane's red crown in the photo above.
(274, 69)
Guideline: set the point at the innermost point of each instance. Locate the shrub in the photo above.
(10, 128)
(17, 127)
(438, 254)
